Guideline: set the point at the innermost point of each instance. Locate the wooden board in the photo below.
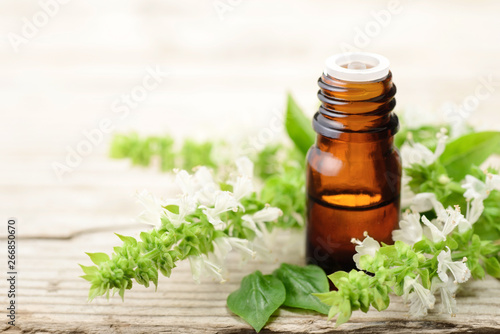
(52, 299)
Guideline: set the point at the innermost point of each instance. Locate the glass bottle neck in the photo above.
(356, 111)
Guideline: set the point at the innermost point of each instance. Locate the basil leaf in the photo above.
(468, 150)
(337, 277)
(173, 208)
(300, 283)
(98, 257)
(332, 299)
(345, 313)
(257, 298)
(298, 126)
(380, 299)
(492, 267)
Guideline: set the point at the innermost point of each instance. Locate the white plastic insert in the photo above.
(357, 66)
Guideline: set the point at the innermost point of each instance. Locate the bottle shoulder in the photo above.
(341, 159)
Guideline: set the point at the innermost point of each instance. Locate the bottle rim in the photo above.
(376, 67)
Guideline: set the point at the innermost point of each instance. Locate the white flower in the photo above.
(441, 142)
(186, 182)
(447, 220)
(243, 184)
(250, 223)
(214, 263)
(407, 194)
(368, 246)
(222, 247)
(268, 214)
(224, 201)
(476, 192)
(200, 264)
(421, 299)
(242, 187)
(455, 216)
(205, 187)
(153, 209)
(464, 225)
(262, 248)
(458, 269)
(200, 186)
(477, 189)
(186, 205)
(257, 221)
(447, 290)
(242, 245)
(410, 230)
(423, 202)
(492, 181)
(416, 153)
(475, 209)
(245, 166)
(203, 176)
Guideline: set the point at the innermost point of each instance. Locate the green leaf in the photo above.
(389, 251)
(492, 267)
(89, 278)
(257, 298)
(300, 283)
(330, 298)
(126, 239)
(96, 290)
(226, 187)
(298, 126)
(333, 311)
(337, 276)
(476, 270)
(345, 313)
(89, 270)
(424, 275)
(364, 300)
(122, 292)
(451, 243)
(97, 258)
(468, 150)
(173, 208)
(380, 298)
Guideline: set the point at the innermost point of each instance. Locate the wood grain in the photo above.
(53, 299)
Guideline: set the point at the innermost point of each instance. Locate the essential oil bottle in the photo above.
(353, 169)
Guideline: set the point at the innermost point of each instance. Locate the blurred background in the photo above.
(75, 72)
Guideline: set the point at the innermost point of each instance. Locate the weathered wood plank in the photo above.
(52, 299)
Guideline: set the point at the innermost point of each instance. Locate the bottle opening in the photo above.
(357, 66)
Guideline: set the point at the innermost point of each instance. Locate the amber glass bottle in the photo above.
(353, 170)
